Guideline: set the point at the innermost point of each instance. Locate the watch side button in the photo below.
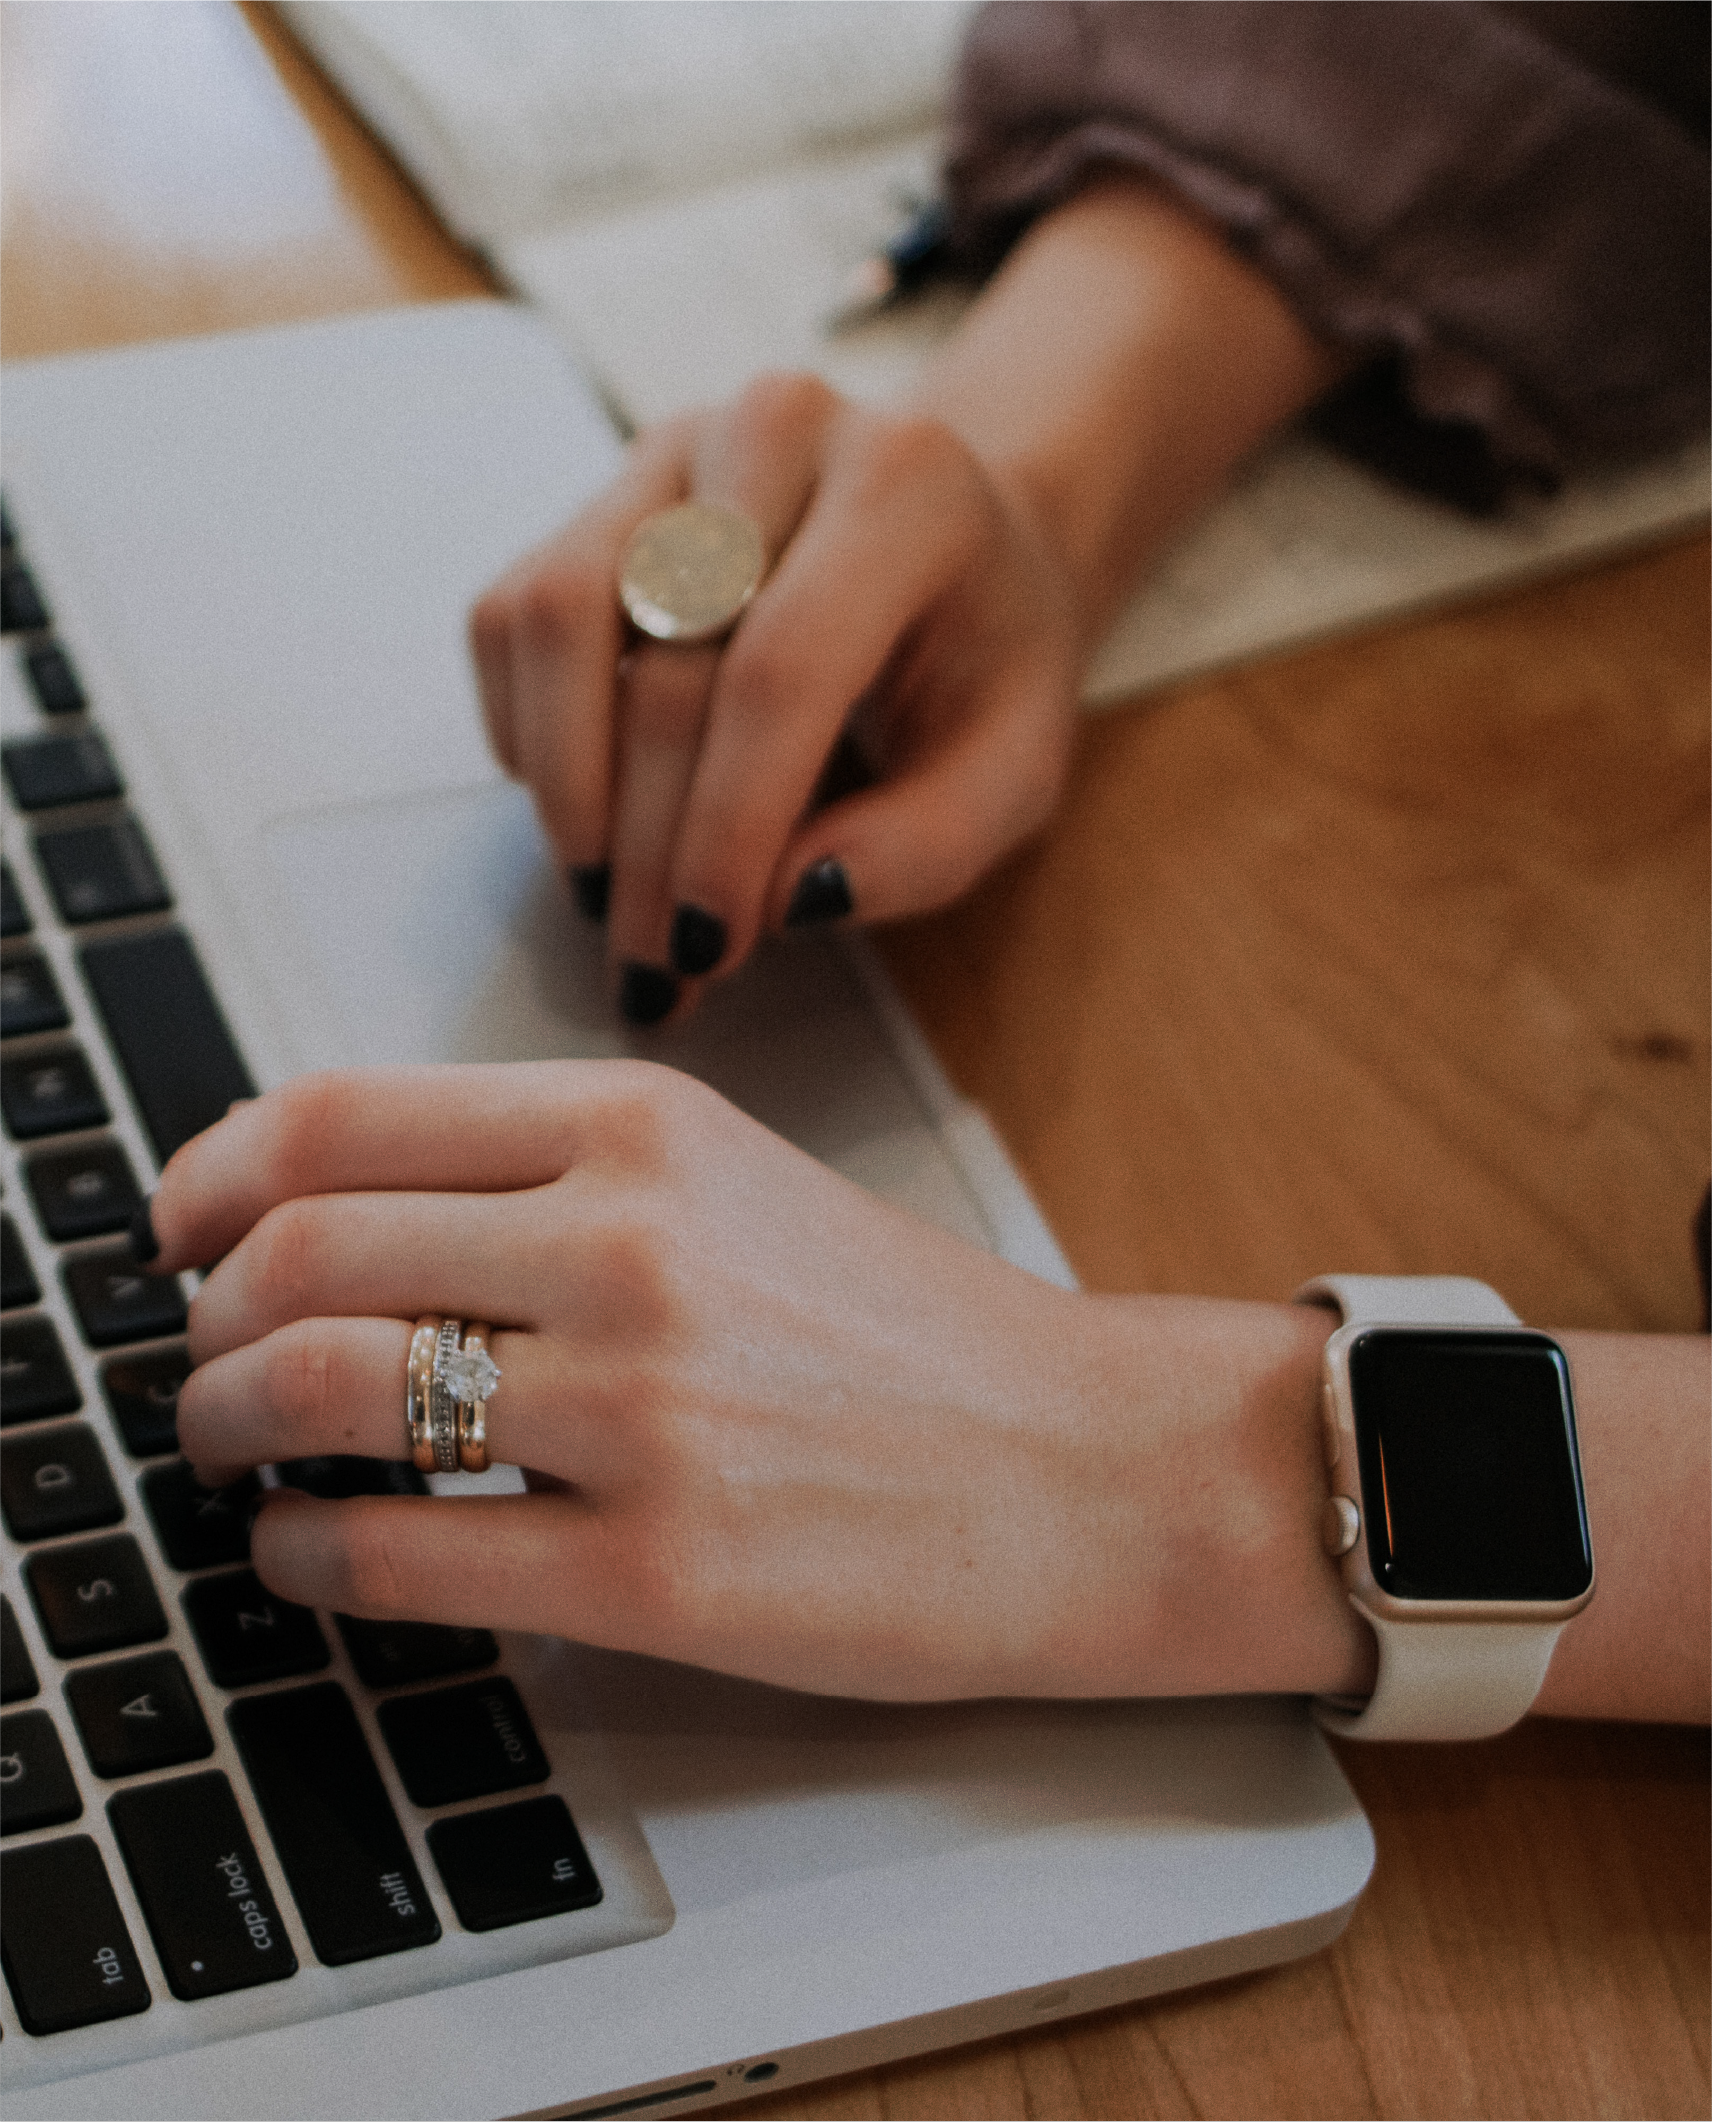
(1340, 1525)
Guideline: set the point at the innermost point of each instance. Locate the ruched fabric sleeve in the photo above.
(1514, 245)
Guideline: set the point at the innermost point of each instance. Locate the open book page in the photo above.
(517, 115)
(679, 304)
(682, 302)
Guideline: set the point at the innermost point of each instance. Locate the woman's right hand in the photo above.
(912, 600)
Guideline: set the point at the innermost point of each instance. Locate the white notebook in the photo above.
(683, 188)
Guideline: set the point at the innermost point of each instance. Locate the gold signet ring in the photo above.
(688, 571)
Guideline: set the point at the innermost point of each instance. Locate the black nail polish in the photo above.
(646, 993)
(145, 1246)
(698, 940)
(822, 894)
(591, 887)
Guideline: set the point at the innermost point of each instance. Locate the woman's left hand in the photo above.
(773, 1425)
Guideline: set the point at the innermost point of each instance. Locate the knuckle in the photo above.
(364, 1562)
(303, 1383)
(300, 1119)
(281, 1250)
(781, 404)
(559, 602)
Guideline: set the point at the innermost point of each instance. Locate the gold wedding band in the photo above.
(418, 1379)
(688, 571)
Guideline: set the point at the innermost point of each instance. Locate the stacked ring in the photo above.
(446, 1391)
(418, 1377)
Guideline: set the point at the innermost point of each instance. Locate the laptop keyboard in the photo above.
(204, 1790)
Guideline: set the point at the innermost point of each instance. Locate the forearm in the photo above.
(1118, 367)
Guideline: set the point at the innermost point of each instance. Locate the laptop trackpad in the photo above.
(434, 928)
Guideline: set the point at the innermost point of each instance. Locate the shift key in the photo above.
(214, 1921)
(357, 1889)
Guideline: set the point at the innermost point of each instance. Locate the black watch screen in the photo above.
(1470, 1478)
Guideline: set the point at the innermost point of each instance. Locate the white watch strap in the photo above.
(1445, 1679)
(1409, 1300)
(1437, 1679)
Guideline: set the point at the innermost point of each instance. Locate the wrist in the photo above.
(1120, 364)
(1224, 1586)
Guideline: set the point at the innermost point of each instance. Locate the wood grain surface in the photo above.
(1388, 954)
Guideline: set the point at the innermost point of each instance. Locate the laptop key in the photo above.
(142, 1391)
(30, 1000)
(84, 1192)
(69, 1958)
(199, 1527)
(115, 1301)
(54, 680)
(246, 1634)
(52, 1093)
(18, 1682)
(138, 1713)
(463, 1742)
(390, 1653)
(44, 772)
(56, 1481)
(357, 1889)
(14, 914)
(36, 1784)
(100, 872)
(22, 609)
(35, 1378)
(18, 1284)
(172, 1041)
(513, 1864)
(205, 1897)
(95, 1596)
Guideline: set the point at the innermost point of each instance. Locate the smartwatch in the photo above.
(1457, 1513)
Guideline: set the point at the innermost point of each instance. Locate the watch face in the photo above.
(1470, 1482)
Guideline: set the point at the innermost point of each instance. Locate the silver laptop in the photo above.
(264, 1862)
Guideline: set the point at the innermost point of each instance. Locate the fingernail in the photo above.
(698, 940)
(646, 993)
(822, 894)
(145, 1246)
(591, 886)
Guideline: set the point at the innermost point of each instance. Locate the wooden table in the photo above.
(1391, 953)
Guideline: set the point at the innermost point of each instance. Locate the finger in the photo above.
(508, 1562)
(388, 1256)
(921, 837)
(891, 526)
(759, 459)
(664, 699)
(477, 1561)
(491, 1127)
(323, 1386)
(567, 634)
(492, 622)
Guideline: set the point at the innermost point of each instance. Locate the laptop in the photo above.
(259, 1861)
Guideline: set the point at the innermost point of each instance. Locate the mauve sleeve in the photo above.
(1514, 243)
